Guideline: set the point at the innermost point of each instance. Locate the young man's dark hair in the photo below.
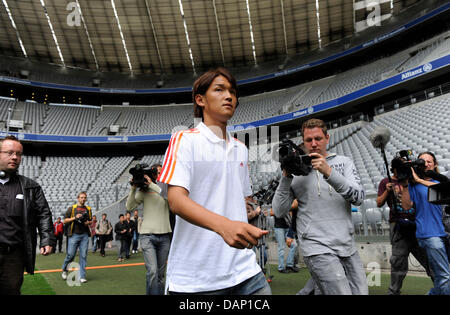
(202, 84)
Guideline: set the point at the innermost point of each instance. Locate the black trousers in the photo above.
(59, 241)
(12, 266)
(103, 239)
(404, 243)
(124, 251)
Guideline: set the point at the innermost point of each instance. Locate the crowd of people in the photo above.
(209, 248)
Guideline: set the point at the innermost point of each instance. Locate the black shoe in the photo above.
(293, 269)
(283, 271)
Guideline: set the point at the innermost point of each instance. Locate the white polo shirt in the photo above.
(216, 175)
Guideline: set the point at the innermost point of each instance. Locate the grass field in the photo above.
(131, 279)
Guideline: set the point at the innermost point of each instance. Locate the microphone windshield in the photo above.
(380, 136)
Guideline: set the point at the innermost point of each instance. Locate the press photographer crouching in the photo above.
(155, 231)
(430, 230)
(402, 225)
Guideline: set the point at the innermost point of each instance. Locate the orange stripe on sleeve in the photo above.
(166, 158)
(175, 160)
(169, 165)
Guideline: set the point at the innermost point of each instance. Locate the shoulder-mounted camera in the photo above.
(138, 173)
(403, 162)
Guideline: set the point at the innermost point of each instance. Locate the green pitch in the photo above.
(131, 279)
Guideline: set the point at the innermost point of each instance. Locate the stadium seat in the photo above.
(374, 219)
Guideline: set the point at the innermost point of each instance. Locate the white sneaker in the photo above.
(64, 275)
(83, 280)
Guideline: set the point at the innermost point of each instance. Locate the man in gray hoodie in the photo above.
(324, 222)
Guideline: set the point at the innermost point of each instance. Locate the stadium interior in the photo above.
(129, 72)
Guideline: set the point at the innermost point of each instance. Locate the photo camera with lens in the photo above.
(138, 173)
(84, 218)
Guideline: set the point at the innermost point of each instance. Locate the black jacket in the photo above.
(118, 228)
(36, 215)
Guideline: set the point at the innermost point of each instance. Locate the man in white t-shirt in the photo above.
(207, 173)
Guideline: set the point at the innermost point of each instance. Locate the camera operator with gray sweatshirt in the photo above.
(324, 223)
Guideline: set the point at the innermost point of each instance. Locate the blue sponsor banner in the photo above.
(88, 139)
(379, 86)
(404, 76)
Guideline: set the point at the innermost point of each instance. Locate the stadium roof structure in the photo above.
(173, 36)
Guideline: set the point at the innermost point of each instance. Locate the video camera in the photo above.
(138, 173)
(293, 159)
(439, 194)
(265, 195)
(403, 162)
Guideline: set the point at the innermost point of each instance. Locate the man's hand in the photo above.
(416, 178)
(240, 235)
(289, 241)
(320, 163)
(148, 180)
(46, 250)
(389, 186)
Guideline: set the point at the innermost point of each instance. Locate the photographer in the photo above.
(155, 230)
(103, 229)
(402, 228)
(324, 222)
(78, 219)
(430, 230)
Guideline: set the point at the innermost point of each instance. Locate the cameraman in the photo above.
(155, 231)
(78, 218)
(402, 228)
(430, 230)
(324, 222)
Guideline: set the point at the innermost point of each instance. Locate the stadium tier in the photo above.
(142, 120)
(420, 127)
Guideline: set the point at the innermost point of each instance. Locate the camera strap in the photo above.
(73, 215)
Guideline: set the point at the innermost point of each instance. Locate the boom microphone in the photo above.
(380, 137)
